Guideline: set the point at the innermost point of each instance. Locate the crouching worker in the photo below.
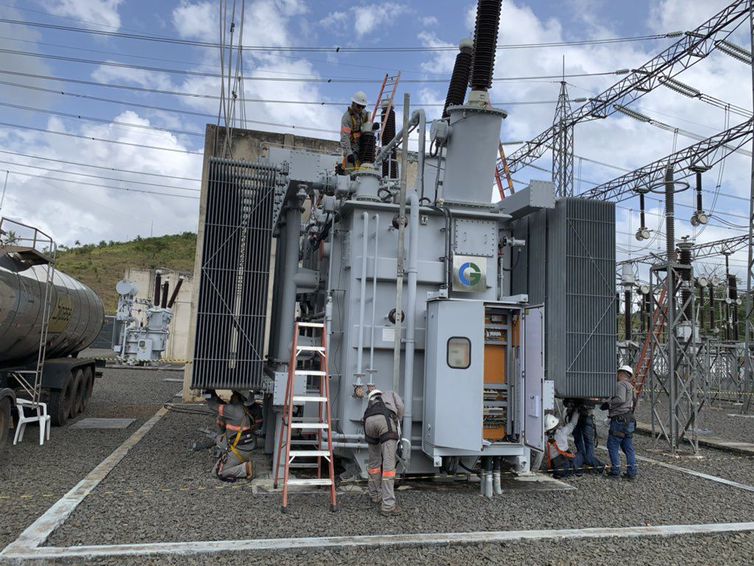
(235, 438)
(382, 432)
(559, 459)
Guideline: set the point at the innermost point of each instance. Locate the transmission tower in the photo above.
(562, 146)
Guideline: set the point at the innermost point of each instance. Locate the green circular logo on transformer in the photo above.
(469, 274)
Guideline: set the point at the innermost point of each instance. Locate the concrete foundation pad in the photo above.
(99, 424)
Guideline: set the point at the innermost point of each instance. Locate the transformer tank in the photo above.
(473, 344)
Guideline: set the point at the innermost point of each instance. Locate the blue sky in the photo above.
(89, 214)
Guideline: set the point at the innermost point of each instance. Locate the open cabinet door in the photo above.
(534, 375)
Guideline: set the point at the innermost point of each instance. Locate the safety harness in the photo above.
(379, 408)
(244, 435)
(625, 419)
(354, 132)
(564, 453)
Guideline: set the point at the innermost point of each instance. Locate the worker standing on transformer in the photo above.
(620, 409)
(382, 419)
(351, 123)
(235, 439)
(559, 458)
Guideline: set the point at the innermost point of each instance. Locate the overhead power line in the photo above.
(79, 164)
(338, 80)
(92, 138)
(110, 187)
(98, 176)
(333, 49)
(694, 46)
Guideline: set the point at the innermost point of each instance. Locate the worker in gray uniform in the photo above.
(351, 123)
(620, 409)
(235, 439)
(382, 431)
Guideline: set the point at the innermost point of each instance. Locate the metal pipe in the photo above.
(497, 475)
(384, 153)
(374, 293)
(363, 297)
(413, 271)
(400, 252)
(422, 142)
(670, 282)
(290, 267)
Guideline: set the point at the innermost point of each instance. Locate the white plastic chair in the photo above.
(40, 417)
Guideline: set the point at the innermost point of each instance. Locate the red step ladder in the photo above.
(388, 89)
(659, 321)
(502, 170)
(321, 427)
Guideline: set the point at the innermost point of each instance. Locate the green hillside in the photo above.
(101, 266)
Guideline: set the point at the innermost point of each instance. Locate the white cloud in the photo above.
(140, 77)
(363, 19)
(98, 13)
(197, 20)
(429, 21)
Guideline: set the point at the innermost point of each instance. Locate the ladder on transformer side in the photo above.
(291, 456)
(502, 170)
(659, 320)
(389, 83)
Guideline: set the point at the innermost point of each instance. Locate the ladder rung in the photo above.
(305, 426)
(300, 466)
(295, 442)
(310, 348)
(310, 481)
(310, 325)
(309, 453)
(303, 372)
(308, 399)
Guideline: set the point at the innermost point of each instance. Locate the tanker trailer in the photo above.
(76, 315)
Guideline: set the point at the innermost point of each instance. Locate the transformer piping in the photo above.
(413, 269)
(384, 152)
(422, 143)
(363, 298)
(374, 293)
(290, 267)
(157, 287)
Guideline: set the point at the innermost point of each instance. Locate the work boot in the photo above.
(627, 477)
(394, 510)
(376, 499)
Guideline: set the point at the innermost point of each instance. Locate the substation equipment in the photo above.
(477, 314)
(142, 326)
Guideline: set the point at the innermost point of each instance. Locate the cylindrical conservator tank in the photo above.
(76, 317)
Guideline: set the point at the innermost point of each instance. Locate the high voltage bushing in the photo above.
(686, 292)
(733, 306)
(389, 165)
(627, 314)
(485, 42)
(459, 80)
(367, 146)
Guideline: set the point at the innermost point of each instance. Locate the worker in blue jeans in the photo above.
(620, 409)
(584, 437)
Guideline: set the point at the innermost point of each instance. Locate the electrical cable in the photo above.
(99, 176)
(79, 164)
(110, 187)
(43, 130)
(336, 49)
(341, 80)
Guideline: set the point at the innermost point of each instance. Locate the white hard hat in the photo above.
(551, 421)
(628, 369)
(360, 98)
(373, 393)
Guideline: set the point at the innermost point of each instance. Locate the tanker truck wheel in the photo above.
(4, 422)
(59, 406)
(88, 388)
(79, 390)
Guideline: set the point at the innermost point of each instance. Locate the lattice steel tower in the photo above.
(562, 146)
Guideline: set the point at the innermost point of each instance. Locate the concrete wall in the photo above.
(178, 345)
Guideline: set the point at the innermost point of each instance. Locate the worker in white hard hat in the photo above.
(558, 457)
(382, 432)
(620, 409)
(351, 123)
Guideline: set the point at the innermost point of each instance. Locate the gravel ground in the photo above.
(40, 475)
(700, 549)
(132, 506)
(162, 491)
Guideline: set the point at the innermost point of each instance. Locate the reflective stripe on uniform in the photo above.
(345, 130)
(221, 410)
(374, 471)
(388, 474)
(235, 428)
